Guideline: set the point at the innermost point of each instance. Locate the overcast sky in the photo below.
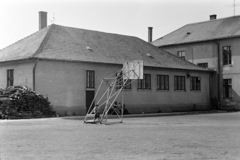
(19, 18)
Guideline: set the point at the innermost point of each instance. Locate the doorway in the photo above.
(89, 99)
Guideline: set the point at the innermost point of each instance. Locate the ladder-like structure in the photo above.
(115, 85)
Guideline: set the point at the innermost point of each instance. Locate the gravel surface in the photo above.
(185, 137)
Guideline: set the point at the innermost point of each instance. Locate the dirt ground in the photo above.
(185, 137)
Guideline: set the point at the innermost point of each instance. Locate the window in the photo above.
(179, 82)
(90, 79)
(203, 65)
(162, 82)
(195, 83)
(10, 77)
(145, 83)
(120, 83)
(128, 84)
(181, 54)
(227, 88)
(227, 55)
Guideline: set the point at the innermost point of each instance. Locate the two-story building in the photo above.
(211, 44)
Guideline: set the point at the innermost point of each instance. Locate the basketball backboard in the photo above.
(133, 70)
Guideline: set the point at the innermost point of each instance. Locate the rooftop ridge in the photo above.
(48, 44)
(207, 21)
(95, 31)
(168, 34)
(43, 41)
(179, 33)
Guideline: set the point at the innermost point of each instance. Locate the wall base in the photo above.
(136, 109)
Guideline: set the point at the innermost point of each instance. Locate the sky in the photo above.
(20, 18)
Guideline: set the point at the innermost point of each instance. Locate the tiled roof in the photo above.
(202, 31)
(72, 44)
(24, 48)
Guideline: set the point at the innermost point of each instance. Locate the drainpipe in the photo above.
(210, 90)
(34, 77)
(192, 56)
(219, 74)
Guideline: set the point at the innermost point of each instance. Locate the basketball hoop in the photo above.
(131, 70)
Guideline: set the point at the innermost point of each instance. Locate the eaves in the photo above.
(199, 41)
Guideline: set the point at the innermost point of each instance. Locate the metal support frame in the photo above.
(111, 95)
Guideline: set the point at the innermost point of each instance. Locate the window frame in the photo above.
(90, 79)
(178, 84)
(203, 65)
(227, 83)
(10, 77)
(164, 83)
(195, 83)
(180, 54)
(145, 83)
(227, 55)
(127, 84)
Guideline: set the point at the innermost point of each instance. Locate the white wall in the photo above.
(65, 85)
(207, 52)
(23, 73)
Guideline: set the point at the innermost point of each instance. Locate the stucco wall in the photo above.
(207, 52)
(197, 53)
(235, 48)
(204, 52)
(23, 73)
(65, 85)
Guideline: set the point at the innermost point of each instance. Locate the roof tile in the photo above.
(202, 31)
(71, 44)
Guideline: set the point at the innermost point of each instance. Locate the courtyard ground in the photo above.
(185, 137)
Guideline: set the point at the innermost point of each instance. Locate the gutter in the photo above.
(121, 64)
(196, 41)
(34, 74)
(37, 52)
(108, 63)
(219, 74)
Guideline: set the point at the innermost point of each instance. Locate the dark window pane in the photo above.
(227, 88)
(145, 83)
(181, 54)
(204, 65)
(179, 82)
(127, 84)
(195, 83)
(10, 77)
(227, 55)
(90, 79)
(162, 81)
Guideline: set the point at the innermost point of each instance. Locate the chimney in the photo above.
(213, 16)
(42, 20)
(150, 34)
